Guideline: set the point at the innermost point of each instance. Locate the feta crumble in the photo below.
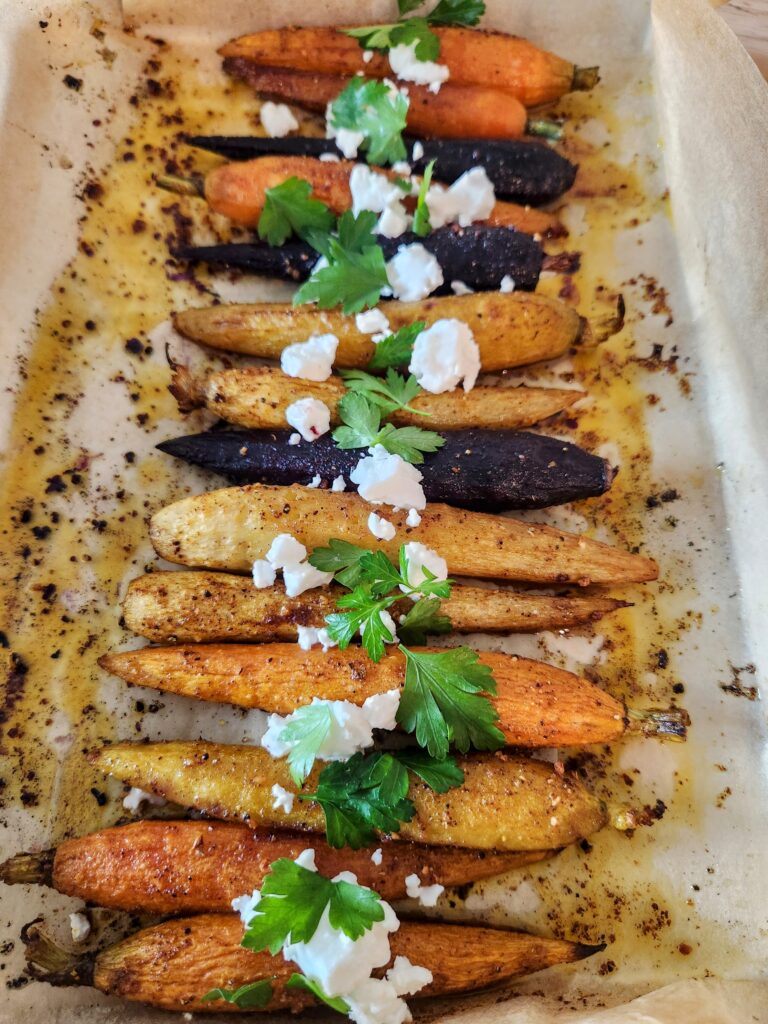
(338, 484)
(246, 905)
(445, 354)
(408, 68)
(419, 556)
(470, 198)
(329, 158)
(315, 481)
(381, 528)
(309, 637)
(388, 479)
(347, 140)
(459, 288)
(507, 284)
(427, 895)
(310, 416)
(417, 152)
(373, 191)
(413, 518)
(135, 797)
(311, 359)
(413, 273)
(372, 321)
(288, 554)
(282, 800)
(377, 856)
(277, 119)
(264, 573)
(351, 728)
(80, 927)
(294, 439)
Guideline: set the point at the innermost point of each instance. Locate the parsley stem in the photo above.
(545, 129)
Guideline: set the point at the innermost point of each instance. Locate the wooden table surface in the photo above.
(749, 20)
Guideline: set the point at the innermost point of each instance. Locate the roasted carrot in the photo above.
(257, 396)
(474, 57)
(510, 329)
(238, 191)
(456, 112)
(203, 607)
(174, 964)
(506, 803)
(538, 705)
(188, 867)
(230, 528)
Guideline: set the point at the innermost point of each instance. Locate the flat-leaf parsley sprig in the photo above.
(396, 349)
(361, 427)
(378, 111)
(289, 209)
(409, 30)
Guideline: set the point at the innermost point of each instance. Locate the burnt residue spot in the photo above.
(736, 687)
(41, 532)
(55, 484)
(14, 685)
(73, 83)
(662, 658)
(134, 346)
(98, 796)
(93, 190)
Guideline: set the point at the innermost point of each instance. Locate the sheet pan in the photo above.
(680, 108)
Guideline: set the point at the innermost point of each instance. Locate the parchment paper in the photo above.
(713, 116)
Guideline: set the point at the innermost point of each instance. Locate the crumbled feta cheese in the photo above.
(294, 439)
(407, 977)
(347, 140)
(263, 573)
(306, 859)
(444, 354)
(315, 481)
(282, 800)
(329, 158)
(246, 905)
(381, 528)
(377, 856)
(298, 578)
(413, 273)
(309, 636)
(417, 152)
(402, 168)
(373, 191)
(419, 556)
(388, 479)
(413, 518)
(338, 484)
(468, 199)
(367, 56)
(407, 66)
(427, 895)
(136, 797)
(81, 927)
(507, 284)
(372, 321)
(351, 726)
(288, 554)
(311, 359)
(310, 416)
(285, 551)
(459, 288)
(277, 119)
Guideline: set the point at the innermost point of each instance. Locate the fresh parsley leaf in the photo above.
(341, 558)
(288, 209)
(438, 775)
(356, 271)
(406, 6)
(253, 996)
(369, 793)
(391, 394)
(293, 899)
(410, 443)
(421, 222)
(308, 730)
(378, 111)
(423, 619)
(361, 422)
(396, 349)
(445, 700)
(300, 981)
(457, 12)
(364, 617)
(362, 796)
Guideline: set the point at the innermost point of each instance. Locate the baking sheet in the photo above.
(697, 880)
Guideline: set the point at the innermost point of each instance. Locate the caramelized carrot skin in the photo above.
(238, 191)
(475, 57)
(456, 112)
(186, 867)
